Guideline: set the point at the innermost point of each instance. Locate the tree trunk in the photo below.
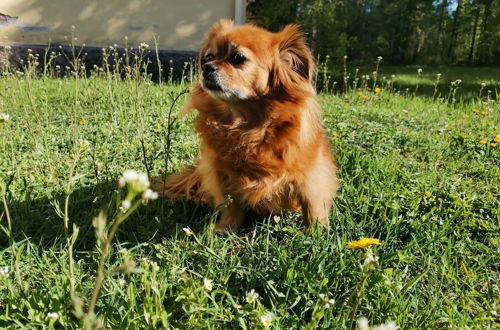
(474, 30)
(484, 41)
(454, 32)
(442, 25)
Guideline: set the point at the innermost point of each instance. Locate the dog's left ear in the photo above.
(295, 62)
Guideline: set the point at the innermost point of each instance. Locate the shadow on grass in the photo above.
(38, 219)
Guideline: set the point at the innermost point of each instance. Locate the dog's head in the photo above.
(247, 62)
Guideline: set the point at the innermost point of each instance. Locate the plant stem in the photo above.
(105, 252)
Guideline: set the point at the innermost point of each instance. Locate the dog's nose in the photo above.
(208, 68)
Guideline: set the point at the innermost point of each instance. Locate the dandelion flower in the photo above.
(465, 116)
(363, 242)
(483, 141)
(83, 122)
(53, 315)
(497, 139)
(427, 194)
(208, 284)
(362, 95)
(158, 126)
(188, 231)
(266, 319)
(485, 113)
(252, 297)
(475, 110)
(377, 90)
(493, 145)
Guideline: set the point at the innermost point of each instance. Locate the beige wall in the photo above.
(179, 24)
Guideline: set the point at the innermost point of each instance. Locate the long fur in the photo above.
(269, 150)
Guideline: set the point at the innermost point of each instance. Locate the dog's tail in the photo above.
(186, 184)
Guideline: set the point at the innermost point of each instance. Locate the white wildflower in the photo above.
(154, 266)
(53, 315)
(252, 297)
(4, 271)
(208, 284)
(363, 324)
(7, 47)
(379, 58)
(370, 258)
(386, 326)
(149, 195)
(136, 181)
(125, 206)
(188, 231)
(143, 46)
(419, 71)
(4, 117)
(326, 301)
(276, 219)
(122, 282)
(266, 319)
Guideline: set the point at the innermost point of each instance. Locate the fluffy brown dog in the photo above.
(262, 138)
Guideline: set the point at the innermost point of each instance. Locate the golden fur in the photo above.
(262, 137)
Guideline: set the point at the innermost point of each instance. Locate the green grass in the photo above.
(405, 79)
(409, 178)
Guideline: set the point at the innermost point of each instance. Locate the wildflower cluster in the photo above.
(137, 183)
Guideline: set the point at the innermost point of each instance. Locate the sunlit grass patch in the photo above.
(416, 177)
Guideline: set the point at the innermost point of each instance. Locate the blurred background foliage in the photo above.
(432, 32)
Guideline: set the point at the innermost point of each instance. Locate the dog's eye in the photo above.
(237, 59)
(208, 57)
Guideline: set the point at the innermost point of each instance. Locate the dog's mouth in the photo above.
(211, 83)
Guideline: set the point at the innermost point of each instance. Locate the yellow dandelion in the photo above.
(465, 137)
(335, 134)
(493, 145)
(485, 113)
(83, 122)
(497, 139)
(427, 194)
(475, 110)
(377, 90)
(158, 126)
(363, 242)
(483, 141)
(465, 116)
(362, 95)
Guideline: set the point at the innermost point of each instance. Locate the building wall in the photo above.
(177, 24)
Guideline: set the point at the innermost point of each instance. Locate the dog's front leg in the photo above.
(231, 218)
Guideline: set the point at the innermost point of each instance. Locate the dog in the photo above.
(263, 144)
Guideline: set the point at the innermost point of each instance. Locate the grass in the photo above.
(414, 175)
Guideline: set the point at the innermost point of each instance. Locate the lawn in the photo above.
(419, 174)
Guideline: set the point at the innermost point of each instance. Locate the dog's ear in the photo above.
(294, 64)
